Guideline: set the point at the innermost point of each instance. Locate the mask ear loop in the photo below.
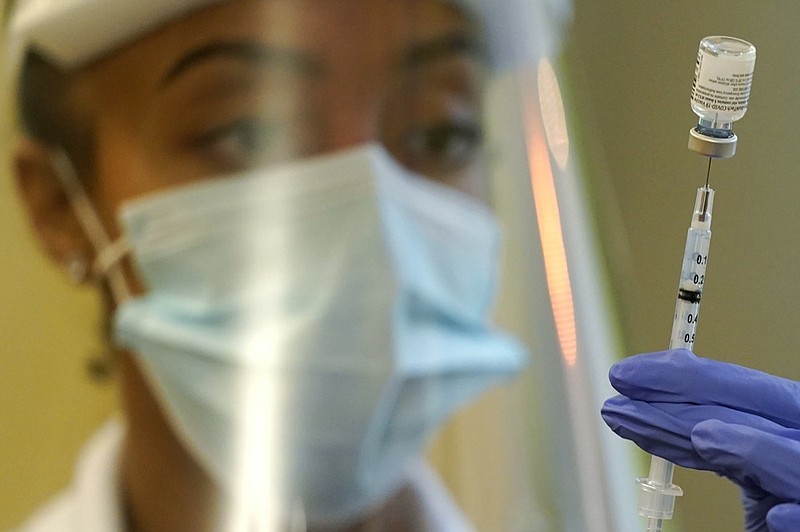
(108, 253)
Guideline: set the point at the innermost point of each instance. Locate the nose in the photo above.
(350, 117)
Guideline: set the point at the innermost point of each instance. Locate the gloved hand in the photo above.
(702, 414)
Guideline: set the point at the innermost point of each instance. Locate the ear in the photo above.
(49, 210)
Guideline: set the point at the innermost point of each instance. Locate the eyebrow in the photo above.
(253, 52)
(442, 47)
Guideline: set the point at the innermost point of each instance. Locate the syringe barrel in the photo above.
(693, 272)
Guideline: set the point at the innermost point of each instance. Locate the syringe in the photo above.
(720, 93)
(656, 491)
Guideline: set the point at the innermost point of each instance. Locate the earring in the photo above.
(77, 269)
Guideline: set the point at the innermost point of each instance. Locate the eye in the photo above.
(243, 144)
(443, 148)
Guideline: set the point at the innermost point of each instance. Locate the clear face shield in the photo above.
(328, 228)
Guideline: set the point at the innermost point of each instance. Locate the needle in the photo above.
(704, 207)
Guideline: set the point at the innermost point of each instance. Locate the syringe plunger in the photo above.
(657, 492)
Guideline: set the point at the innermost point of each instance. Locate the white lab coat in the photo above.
(92, 503)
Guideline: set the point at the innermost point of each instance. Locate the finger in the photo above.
(680, 376)
(654, 430)
(784, 518)
(752, 458)
(682, 417)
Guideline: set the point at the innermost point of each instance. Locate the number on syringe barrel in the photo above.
(700, 260)
(695, 272)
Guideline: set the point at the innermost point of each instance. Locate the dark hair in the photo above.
(47, 110)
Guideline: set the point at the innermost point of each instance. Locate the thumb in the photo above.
(754, 459)
(784, 518)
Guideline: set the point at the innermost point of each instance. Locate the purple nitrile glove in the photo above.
(699, 413)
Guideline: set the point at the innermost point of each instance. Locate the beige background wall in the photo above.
(633, 63)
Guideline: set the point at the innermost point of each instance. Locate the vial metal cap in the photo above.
(716, 148)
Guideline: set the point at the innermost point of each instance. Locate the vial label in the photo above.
(722, 86)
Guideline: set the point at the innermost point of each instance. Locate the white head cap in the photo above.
(72, 32)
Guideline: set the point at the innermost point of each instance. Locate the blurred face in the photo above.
(253, 83)
(248, 84)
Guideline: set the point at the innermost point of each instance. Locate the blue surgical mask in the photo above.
(309, 326)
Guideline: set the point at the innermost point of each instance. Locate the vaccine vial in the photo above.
(723, 76)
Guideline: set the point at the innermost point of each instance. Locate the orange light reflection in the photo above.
(551, 234)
